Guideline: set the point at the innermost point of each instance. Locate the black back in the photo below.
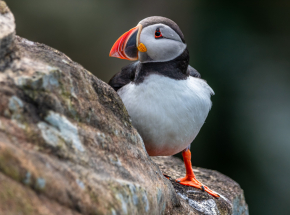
(125, 76)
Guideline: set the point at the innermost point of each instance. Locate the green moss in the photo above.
(95, 203)
(9, 165)
(14, 200)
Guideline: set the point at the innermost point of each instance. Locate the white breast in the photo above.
(167, 113)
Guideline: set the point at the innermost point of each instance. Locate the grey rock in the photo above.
(195, 201)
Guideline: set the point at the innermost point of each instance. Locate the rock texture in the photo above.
(67, 145)
(195, 201)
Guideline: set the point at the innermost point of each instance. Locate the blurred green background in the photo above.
(241, 48)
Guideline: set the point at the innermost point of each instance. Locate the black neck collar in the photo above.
(176, 69)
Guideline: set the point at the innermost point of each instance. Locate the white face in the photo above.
(162, 49)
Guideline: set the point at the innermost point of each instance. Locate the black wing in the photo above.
(125, 76)
(192, 72)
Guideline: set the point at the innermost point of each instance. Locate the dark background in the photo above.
(242, 49)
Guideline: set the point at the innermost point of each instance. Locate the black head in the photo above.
(162, 20)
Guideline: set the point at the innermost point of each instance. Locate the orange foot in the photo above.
(189, 179)
(192, 182)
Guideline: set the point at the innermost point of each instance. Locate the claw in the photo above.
(189, 179)
(167, 176)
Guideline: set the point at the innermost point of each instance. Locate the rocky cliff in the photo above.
(67, 145)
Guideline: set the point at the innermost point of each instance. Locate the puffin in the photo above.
(165, 97)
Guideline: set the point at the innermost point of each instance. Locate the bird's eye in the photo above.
(158, 34)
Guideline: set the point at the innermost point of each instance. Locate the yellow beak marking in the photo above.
(142, 47)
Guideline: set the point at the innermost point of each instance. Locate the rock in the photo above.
(67, 145)
(232, 200)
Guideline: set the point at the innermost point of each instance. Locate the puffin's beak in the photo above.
(126, 46)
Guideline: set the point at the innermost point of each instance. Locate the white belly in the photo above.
(167, 113)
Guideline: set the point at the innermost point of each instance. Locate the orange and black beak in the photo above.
(127, 46)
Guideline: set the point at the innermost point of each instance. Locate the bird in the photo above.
(165, 97)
